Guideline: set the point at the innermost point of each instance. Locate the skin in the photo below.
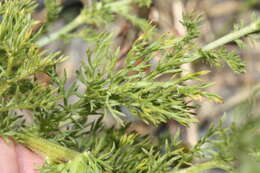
(15, 158)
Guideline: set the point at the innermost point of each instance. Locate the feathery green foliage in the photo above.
(61, 131)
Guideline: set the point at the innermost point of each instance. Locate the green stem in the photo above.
(47, 149)
(205, 166)
(252, 28)
(56, 35)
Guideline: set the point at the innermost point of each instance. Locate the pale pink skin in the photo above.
(15, 158)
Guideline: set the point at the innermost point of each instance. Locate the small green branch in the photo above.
(47, 149)
(68, 28)
(205, 166)
(252, 28)
(10, 65)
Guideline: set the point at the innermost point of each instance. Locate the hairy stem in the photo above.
(48, 149)
(252, 28)
(56, 35)
(205, 166)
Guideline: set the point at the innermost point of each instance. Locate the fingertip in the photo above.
(8, 162)
(28, 161)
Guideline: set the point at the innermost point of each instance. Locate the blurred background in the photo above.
(239, 91)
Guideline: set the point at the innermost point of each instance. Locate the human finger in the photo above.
(8, 161)
(28, 161)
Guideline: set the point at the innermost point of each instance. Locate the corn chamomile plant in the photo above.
(60, 131)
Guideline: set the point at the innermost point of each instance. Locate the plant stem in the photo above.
(252, 28)
(56, 35)
(48, 149)
(205, 166)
